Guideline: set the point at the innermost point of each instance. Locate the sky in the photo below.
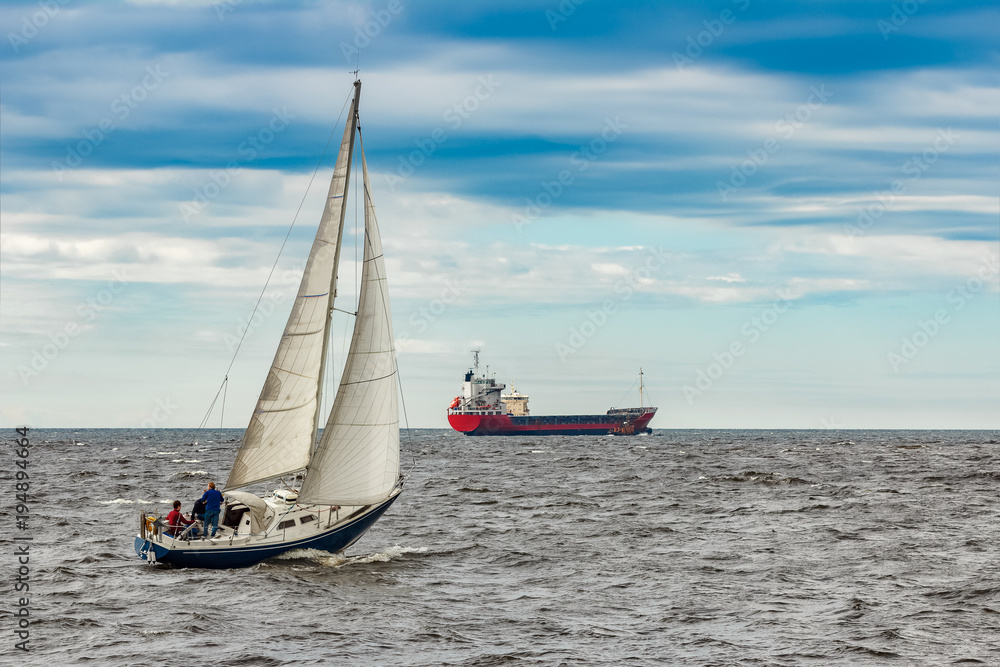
(785, 213)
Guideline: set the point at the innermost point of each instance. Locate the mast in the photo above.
(640, 387)
(336, 263)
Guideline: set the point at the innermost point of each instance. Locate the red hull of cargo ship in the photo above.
(500, 424)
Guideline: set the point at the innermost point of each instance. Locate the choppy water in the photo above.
(680, 548)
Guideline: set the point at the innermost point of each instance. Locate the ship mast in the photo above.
(640, 387)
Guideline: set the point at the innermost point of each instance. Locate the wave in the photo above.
(126, 501)
(387, 555)
(339, 559)
(765, 478)
(189, 473)
(296, 554)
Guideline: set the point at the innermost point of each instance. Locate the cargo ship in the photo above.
(484, 409)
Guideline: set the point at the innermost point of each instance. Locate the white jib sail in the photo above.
(357, 460)
(282, 431)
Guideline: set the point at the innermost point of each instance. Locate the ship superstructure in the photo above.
(515, 402)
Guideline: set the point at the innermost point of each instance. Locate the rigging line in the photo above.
(222, 418)
(626, 393)
(331, 379)
(211, 407)
(357, 304)
(406, 420)
(649, 399)
(275, 265)
(357, 294)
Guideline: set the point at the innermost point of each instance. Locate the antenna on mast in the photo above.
(475, 360)
(640, 388)
(357, 67)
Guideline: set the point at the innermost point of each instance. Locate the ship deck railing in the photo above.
(630, 411)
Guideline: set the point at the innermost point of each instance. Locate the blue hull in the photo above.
(222, 557)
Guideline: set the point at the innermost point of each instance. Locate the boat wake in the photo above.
(389, 554)
(327, 559)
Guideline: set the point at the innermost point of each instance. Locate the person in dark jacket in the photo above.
(213, 503)
(198, 511)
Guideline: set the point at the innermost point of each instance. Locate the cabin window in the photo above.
(307, 518)
(286, 524)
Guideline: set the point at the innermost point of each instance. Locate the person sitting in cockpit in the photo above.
(176, 521)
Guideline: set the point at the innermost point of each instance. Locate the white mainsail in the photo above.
(357, 460)
(282, 431)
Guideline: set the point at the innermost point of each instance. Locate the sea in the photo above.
(700, 547)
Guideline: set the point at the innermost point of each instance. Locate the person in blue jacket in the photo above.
(213, 503)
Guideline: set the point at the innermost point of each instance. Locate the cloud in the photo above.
(489, 110)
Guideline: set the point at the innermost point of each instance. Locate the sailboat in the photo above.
(351, 476)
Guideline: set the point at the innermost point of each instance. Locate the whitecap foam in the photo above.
(168, 452)
(338, 559)
(387, 555)
(186, 461)
(126, 501)
(304, 553)
(193, 472)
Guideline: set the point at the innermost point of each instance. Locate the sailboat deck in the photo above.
(289, 523)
